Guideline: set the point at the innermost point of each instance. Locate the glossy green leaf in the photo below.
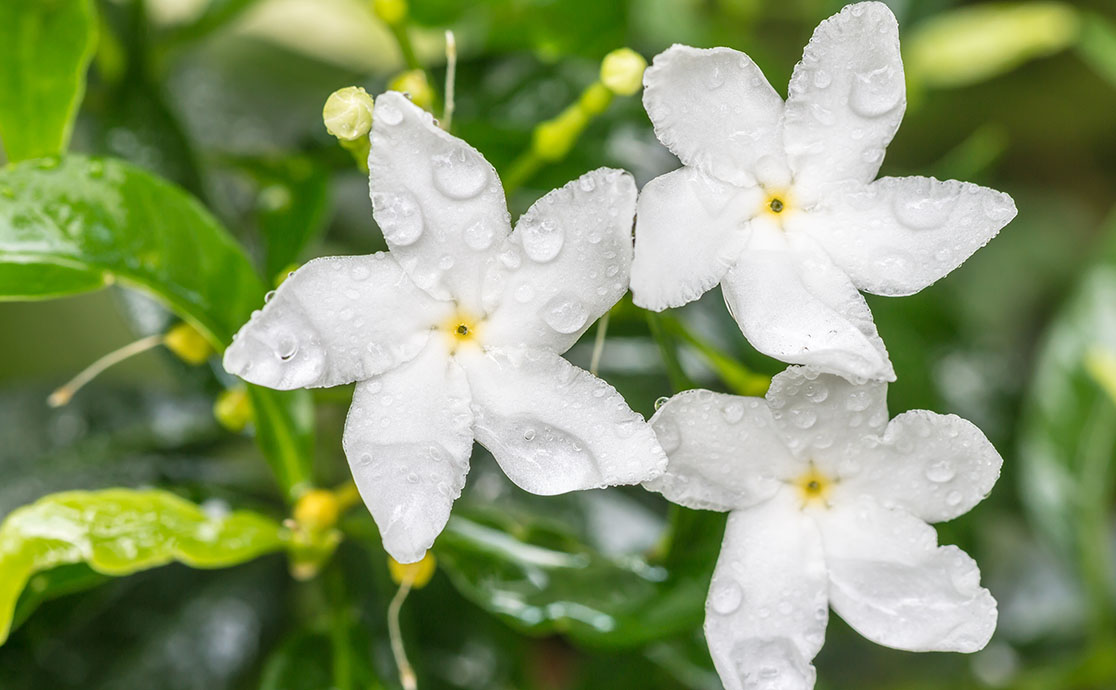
(119, 532)
(45, 48)
(544, 582)
(1097, 45)
(1068, 441)
(75, 224)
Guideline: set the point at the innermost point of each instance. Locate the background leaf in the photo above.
(45, 48)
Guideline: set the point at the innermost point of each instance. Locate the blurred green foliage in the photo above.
(223, 99)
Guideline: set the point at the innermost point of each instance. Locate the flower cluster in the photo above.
(455, 335)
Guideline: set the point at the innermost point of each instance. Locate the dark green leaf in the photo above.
(45, 48)
(119, 532)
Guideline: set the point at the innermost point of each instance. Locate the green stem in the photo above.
(522, 169)
(739, 378)
(342, 661)
(668, 349)
(405, 46)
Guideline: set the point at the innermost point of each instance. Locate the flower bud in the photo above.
(233, 409)
(317, 509)
(417, 573)
(348, 113)
(390, 11)
(622, 71)
(413, 82)
(191, 346)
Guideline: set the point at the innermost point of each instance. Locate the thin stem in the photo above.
(339, 632)
(406, 673)
(451, 76)
(598, 343)
(522, 169)
(668, 348)
(405, 46)
(64, 394)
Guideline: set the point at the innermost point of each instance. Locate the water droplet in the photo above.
(714, 79)
(286, 346)
(524, 293)
(924, 208)
(733, 412)
(565, 314)
(446, 262)
(387, 113)
(940, 471)
(358, 272)
(876, 93)
(858, 401)
(659, 402)
(460, 174)
(268, 296)
(953, 498)
(479, 236)
(822, 79)
(542, 240)
(399, 217)
(587, 183)
(726, 598)
(528, 434)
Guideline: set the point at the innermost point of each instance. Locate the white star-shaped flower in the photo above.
(456, 333)
(829, 507)
(776, 201)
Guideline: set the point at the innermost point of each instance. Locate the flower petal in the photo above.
(565, 265)
(766, 613)
(793, 304)
(723, 451)
(335, 320)
(438, 201)
(714, 109)
(555, 428)
(690, 230)
(825, 418)
(892, 583)
(900, 234)
(846, 98)
(933, 466)
(408, 438)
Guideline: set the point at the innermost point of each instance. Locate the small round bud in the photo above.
(317, 509)
(191, 346)
(348, 113)
(390, 11)
(622, 71)
(417, 573)
(233, 409)
(413, 82)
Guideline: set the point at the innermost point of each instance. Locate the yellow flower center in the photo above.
(777, 205)
(813, 486)
(462, 329)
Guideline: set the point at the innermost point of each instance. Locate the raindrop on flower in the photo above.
(460, 174)
(565, 314)
(542, 240)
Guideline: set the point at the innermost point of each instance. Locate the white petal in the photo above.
(690, 230)
(933, 466)
(793, 304)
(766, 613)
(714, 109)
(827, 419)
(900, 234)
(723, 451)
(892, 583)
(438, 201)
(555, 428)
(336, 320)
(845, 99)
(408, 438)
(566, 264)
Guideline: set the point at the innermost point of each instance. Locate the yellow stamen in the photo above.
(777, 203)
(814, 486)
(462, 329)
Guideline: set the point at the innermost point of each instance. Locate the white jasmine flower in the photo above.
(829, 507)
(456, 333)
(776, 201)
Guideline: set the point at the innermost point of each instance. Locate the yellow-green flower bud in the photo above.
(417, 573)
(622, 71)
(348, 113)
(233, 409)
(413, 82)
(191, 346)
(595, 99)
(317, 509)
(553, 139)
(390, 11)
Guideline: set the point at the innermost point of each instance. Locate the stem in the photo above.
(405, 46)
(598, 343)
(339, 632)
(64, 394)
(522, 169)
(451, 76)
(739, 378)
(406, 673)
(668, 348)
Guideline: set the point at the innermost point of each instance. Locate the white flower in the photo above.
(455, 334)
(776, 201)
(829, 505)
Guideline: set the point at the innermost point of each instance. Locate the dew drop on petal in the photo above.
(542, 240)
(459, 174)
(726, 598)
(876, 93)
(479, 235)
(387, 114)
(940, 471)
(565, 314)
(953, 498)
(399, 217)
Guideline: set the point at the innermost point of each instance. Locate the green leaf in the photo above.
(1097, 45)
(76, 224)
(119, 532)
(542, 581)
(45, 48)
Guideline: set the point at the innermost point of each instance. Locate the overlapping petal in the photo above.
(335, 320)
(438, 201)
(714, 109)
(894, 585)
(933, 466)
(408, 438)
(846, 99)
(690, 230)
(766, 614)
(794, 304)
(900, 234)
(566, 264)
(553, 427)
(724, 451)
